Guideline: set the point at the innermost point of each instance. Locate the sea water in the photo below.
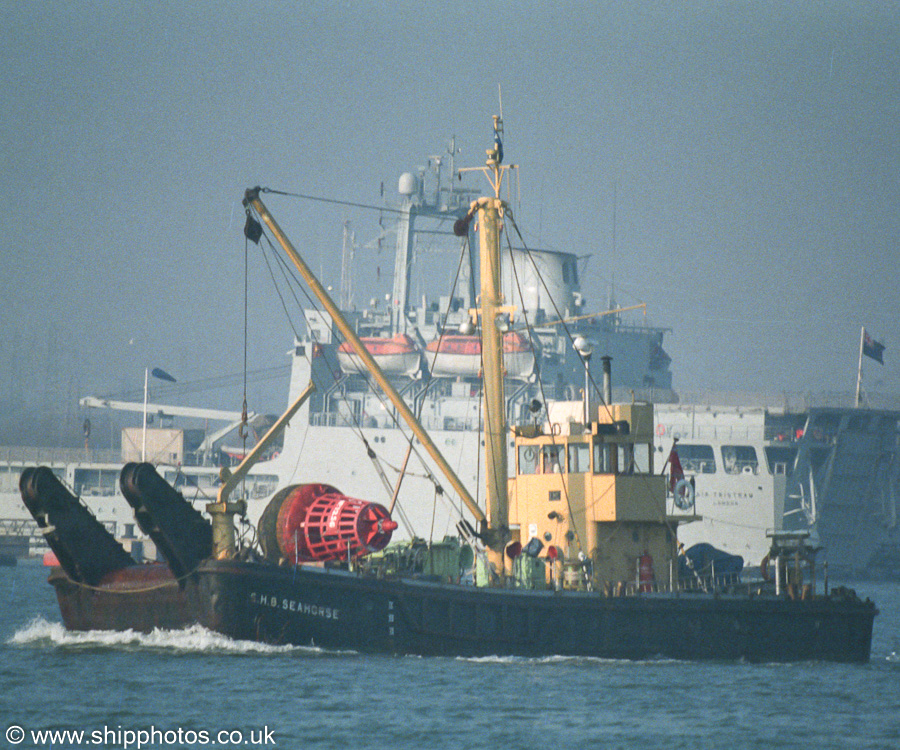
(197, 689)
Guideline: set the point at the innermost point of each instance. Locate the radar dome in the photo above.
(408, 184)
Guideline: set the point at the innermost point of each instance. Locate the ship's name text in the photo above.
(292, 605)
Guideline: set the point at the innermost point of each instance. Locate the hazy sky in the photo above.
(753, 146)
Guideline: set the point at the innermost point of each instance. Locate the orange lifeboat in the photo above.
(457, 355)
(397, 355)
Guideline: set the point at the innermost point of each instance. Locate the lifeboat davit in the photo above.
(457, 355)
(397, 355)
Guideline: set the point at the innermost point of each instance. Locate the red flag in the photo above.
(676, 473)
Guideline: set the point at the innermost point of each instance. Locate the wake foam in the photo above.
(195, 639)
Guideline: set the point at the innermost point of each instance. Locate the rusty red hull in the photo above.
(138, 598)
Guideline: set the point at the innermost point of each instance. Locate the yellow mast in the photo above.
(496, 431)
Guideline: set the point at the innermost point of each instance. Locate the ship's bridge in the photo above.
(591, 489)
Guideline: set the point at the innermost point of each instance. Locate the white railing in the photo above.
(788, 400)
(34, 455)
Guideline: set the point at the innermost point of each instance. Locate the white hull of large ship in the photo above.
(736, 512)
(736, 509)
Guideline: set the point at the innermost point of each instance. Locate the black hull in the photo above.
(335, 609)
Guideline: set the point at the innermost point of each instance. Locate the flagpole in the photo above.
(144, 428)
(862, 336)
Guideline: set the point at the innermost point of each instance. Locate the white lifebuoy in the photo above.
(660, 429)
(684, 494)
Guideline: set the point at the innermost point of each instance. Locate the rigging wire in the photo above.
(289, 275)
(332, 201)
(278, 292)
(464, 250)
(478, 460)
(480, 395)
(204, 384)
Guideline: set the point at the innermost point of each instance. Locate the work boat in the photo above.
(572, 553)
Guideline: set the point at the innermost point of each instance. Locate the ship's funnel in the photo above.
(607, 379)
(315, 522)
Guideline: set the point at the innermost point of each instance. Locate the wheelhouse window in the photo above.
(528, 459)
(634, 458)
(740, 459)
(552, 460)
(696, 459)
(604, 458)
(642, 458)
(579, 458)
(544, 459)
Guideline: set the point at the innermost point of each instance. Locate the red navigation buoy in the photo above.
(315, 522)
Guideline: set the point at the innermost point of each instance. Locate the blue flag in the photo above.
(156, 372)
(872, 348)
